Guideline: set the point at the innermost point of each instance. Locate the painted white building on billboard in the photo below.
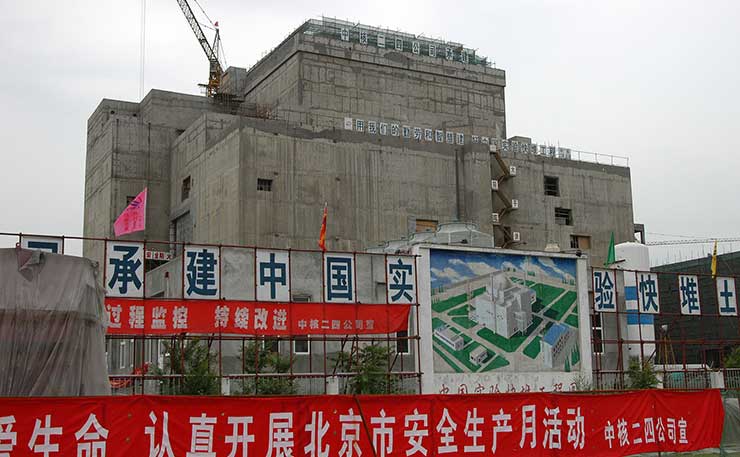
(556, 345)
(505, 307)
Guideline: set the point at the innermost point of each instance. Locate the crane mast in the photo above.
(215, 70)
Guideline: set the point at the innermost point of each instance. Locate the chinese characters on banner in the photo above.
(727, 298)
(171, 317)
(202, 266)
(52, 244)
(339, 278)
(273, 276)
(688, 291)
(641, 292)
(401, 279)
(605, 291)
(384, 426)
(124, 269)
(647, 287)
(204, 308)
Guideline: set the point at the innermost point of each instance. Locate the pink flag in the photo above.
(133, 218)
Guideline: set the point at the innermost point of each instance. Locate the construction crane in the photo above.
(212, 51)
(692, 241)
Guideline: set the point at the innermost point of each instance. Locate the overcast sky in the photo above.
(656, 81)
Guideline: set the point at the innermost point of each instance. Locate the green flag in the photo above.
(611, 256)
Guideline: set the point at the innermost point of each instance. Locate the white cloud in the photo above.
(548, 262)
(479, 268)
(551, 264)
(447, 273)
(457, 262)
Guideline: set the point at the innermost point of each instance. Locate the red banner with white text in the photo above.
(128, 316)
(421, 425)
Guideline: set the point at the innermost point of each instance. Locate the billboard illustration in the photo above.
(503, 312)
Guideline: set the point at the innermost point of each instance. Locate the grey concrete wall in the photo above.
(317, 81)
(212, 166)
(599, 196)
(372, 188)
(128, 148)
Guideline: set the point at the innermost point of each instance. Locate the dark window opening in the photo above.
(597, 334)
(186, 185)
(598, 344)
(563, 216)
(402, 346)
(581, 242)
(552, 186)
(264, 185)
(301, 345)
(129, 199)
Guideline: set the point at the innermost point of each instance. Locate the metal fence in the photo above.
(244, 364)
(684, 351)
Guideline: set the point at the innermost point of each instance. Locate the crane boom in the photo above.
(215, 70)
(691, 241)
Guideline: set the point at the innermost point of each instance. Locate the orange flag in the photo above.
(322, 234)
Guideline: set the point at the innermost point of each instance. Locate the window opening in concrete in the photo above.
(301, 297)
(596, 334)
(186, 184)
(552, 186)
(563, 216)
(301, 345)
(264, 185)
(129, 199)
(402, 346)
(426, 225)
(582, 242)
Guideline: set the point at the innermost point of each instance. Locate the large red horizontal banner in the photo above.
(128, 316)
(424, 425)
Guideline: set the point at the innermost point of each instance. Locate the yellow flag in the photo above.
(714, 260)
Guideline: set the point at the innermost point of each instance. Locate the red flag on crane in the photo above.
(322, 234)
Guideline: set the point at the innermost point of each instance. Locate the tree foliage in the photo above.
(193, 360)
(641, 374)
(260, 360)
(733, 358)
(370, 366)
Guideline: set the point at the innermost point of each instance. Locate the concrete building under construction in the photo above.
(396, 132)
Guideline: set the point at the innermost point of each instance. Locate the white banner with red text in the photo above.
(421, 425)
(128, 316)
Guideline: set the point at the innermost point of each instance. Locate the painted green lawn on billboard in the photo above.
(558, 309)
(509, 344)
